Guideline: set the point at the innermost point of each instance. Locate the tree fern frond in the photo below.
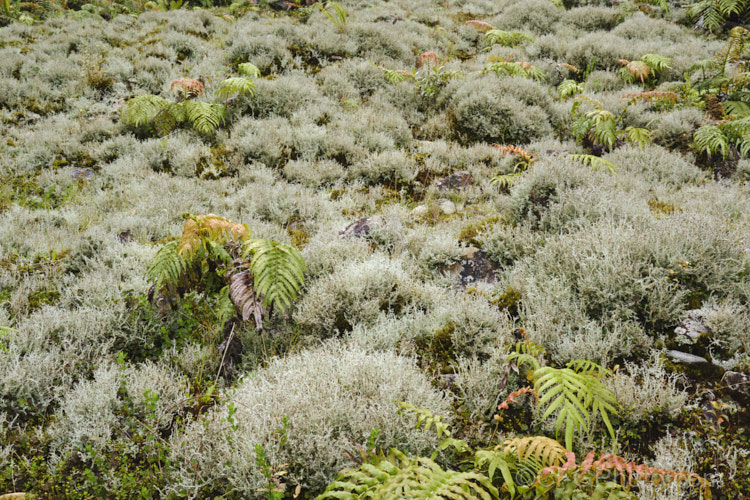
(594, 161)
(141, 109)
(656, 63)
(204, 117)
(238, 85)
(278, 270)
(588, 367)
(494, 460)
(739, 109)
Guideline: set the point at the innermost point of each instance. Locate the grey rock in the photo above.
(738, 382)
(362, 227)
(474, 266)
(694, 325)
(457, 180)
(686, 358)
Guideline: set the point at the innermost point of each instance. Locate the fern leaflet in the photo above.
(278, 270)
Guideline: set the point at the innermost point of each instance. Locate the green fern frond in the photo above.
(576, 397)
(569, 88)
(167, 267)
(711, 140)
(594, 161)
(399, 477)
(205, 117)
(639, 136)
(426, 418)
(497, 460)
(656, 63)
(505, 181)
(507, 38)
(509, 68)
(589, 368)
(141, 109)
(250, 70)
(278, 271)
(238, 85)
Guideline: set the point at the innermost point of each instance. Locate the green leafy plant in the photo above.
(506, 38)
(600, 128)
(515, 68)
(212, 250)
(335, 13)
(569, 88)
(429, 77)
(713, 15)
(575, 393)
(645, 70)
(524, 160)
(718, 139)
(155, 113)
(594, 161)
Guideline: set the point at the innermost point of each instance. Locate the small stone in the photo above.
(362, 227)
(738, 382)
(693, 326)
(688, 359)
(473, 267)
(447, 207)
(419, 211)
(457, 180)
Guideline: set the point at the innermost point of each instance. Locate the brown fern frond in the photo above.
(570, 67)
(515, 395)
(541, 449)
(188, 88)
(428, 56)
(248, 302)
(518, 151)
(628, 472)
(479, 25)
(203, 228)
(638, 69)
(651, 96)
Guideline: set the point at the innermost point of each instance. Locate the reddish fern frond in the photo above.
(639, 69)
(479, 25)
(515, 395)
(518, 151)
(188, 88)
(570, 67)
(651, 96)
(628, 472)
(425, 57)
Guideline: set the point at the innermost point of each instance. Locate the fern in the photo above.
(542, 450)
(204, 117)
(140, 110)
(187, 88)
(522, 69)
(504, 181)
(425, 417)
(594, 161)
(238, 85)
(712, 15)
(249, 69)
(568, 88)
(244, 296)
(648, 67)
(576, 397)
(198, 230)
(639, 136)
(506, 38)
(398, 477)
(335, 13)
(278, 271)
(167, 267)
(711, 140)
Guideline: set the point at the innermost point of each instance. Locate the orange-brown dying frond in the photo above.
(570, 67)
(187, 87)
(200, 229)
(479, 25)
(516, 150)
(651, 96)
(425, 57)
